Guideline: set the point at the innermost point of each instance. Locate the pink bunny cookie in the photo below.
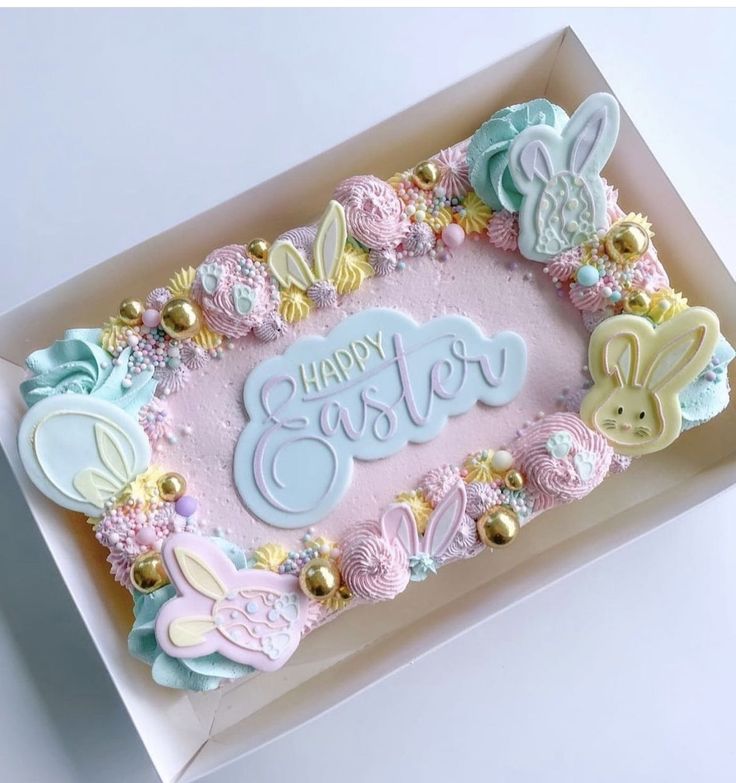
(252, 617)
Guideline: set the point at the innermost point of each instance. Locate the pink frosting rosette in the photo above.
(373, 211)
(465, 543)
(565, 266)
(588, 297)
(561, 458)
(235, 293)
(503, 230)
(373, 568)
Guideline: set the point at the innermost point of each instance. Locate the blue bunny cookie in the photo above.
(558, 174)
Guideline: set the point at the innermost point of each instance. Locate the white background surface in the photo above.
(117, 125)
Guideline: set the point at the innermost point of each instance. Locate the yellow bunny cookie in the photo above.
(638, 372)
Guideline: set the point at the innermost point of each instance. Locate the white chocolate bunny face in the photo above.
(638, 372)
(558, 174)
(628, 419)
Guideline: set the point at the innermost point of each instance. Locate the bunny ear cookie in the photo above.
(638, 372)
(557, 173)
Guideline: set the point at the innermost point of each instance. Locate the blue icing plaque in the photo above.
(377, 382)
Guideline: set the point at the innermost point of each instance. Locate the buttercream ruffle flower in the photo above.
(271, 328)
(171, 379)
(158, 298)
(465, 543)
(488, 151)
(373, 568)
(453, 168)
(384, 262)
(503, 230)
(193, 356)
(480, 497)
(419, 240)
(373, 211)
(235, 293)
(438, 482)
(323, 293)
(302, 239)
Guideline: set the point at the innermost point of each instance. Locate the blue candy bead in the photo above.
(587, 275)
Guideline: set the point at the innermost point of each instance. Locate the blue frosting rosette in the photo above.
(708, 394)
(193, 674)
(78, 364)
(488, 151)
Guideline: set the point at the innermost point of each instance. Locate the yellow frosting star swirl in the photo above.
(353, 270)
(269, 557)
(476, 214)
(295, 305)
(420, 507)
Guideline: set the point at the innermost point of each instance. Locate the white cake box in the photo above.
(188, 735)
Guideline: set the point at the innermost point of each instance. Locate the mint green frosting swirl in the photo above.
(192, 674)
(78, 364)
(708, 394)
(421, 566)
(488, 151)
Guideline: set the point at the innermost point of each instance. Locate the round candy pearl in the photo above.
(502, 460)
(587, 275)
(146, 536)
(453, 236)
(151, 318)
(186, 506)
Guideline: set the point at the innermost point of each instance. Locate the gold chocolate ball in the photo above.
(148, 573)
(637, 303)
(498, 526)
(426, 174)
(180, 318)
(258, 249)
(171, 486)
(514, 480)
(131, 312)
(344, 593)
(319, 579)
(626, 242)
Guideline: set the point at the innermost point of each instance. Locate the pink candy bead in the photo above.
(151, 318)
(453, 236)
(146, 536)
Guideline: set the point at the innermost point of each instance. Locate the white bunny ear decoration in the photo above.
(398, 526)
(329, 245)
(535, 161)
(288, 266)
(80, 451)
(444, 522)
